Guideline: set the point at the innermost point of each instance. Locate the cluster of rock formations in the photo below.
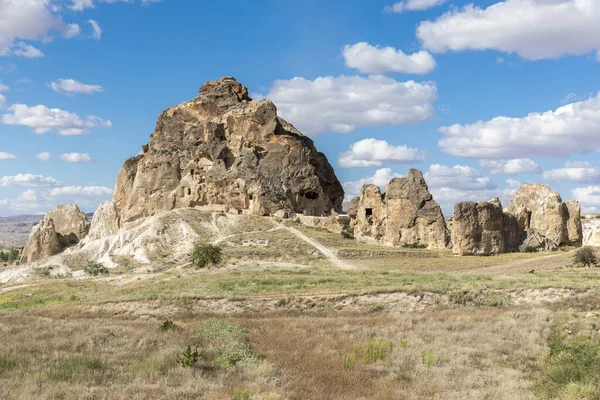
(224, 152)
(405, 215)
(535, 219)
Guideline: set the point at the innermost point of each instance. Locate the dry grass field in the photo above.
(280, 321)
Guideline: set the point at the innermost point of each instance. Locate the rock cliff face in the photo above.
(541, 211)
(224, 152)
(62, 227)
(406, 215)
(484, 229)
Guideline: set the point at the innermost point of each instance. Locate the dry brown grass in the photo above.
(461, 327)
(474, 354)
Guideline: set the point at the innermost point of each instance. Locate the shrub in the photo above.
(586, 256)
(529, 249)
(348, 232)
(11, 255)
(428, 358)
(228, 344)
(167, 325)
(94, 268)
(368, 353)
(189, 358)
(205, 254)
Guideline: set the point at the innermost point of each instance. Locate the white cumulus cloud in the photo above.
(574, 172)
(381, 178)
(44, 156)
(97, 31)
(588, 197)
(570, 129)
(4, 88)
(413, 5)
(80, 192)
(512, 166)
(375, 60)
(457, 177)
(343, 103)
(374, 153)
(2, 102)
(76, 157)
(43, 119)
(28, 180)
(534, 29)
(7, 156)
(71, 86)
(80, 5)
(26, 50)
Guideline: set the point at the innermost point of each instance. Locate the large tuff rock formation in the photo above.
(484, 228)
(541, 213)
(224, 152)
(62, 227)
(405, 215)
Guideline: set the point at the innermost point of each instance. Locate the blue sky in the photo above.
(449, 87)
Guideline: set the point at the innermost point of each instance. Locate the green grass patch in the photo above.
(69, 368)
(572, 368)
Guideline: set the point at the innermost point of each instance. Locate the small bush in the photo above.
(368, 353)
(586, 256)
(6, 365)
(167, 325)
(228, 344)
(205, 254)
(189, 358)
(94, 268)
(529, 249)
(428, 358)
(348, 232)
(11, 255)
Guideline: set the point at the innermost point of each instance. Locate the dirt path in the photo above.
(545, 263)
(326, 251)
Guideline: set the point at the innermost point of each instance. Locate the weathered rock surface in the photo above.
(62, 227)
(483, 229)
(224, 152)
(406, 215)
(574, 227)
(591, 231)
(105, 221)
(540, 210)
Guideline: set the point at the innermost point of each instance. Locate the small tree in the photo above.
(95, 268)
(586, 256)
(205, 254)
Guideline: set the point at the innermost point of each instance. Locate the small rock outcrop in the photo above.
(541, 213)
(224, 152)
(405, 215)
(483, 229)
(62, 227)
